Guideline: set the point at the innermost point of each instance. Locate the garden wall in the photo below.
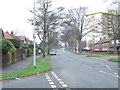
(20, 54)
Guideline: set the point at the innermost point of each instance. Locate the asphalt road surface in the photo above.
(72, 71)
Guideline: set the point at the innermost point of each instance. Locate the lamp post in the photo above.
(34, 51)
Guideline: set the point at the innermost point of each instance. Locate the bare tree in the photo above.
(47, 21)
(79, 23)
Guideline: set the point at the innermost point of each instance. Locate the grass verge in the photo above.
(93, 56)
(42, 64)
(76, 52)
(114, 59)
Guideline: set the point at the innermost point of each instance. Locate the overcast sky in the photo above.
(14, 13)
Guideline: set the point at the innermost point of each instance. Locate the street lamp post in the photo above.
(34, 51)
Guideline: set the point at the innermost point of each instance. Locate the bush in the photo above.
(15, 42)
(24, 45)
(7, 46)
(31, 46)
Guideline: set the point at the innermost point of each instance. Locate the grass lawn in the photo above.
(93, 56)
(114, 59)
(110, 54)
(40, 67)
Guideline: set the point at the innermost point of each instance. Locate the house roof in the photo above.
(22, 37)
(103, 40)
(8, 35)
(107, 40)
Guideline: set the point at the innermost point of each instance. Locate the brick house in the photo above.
(106, 46)
(7, 35)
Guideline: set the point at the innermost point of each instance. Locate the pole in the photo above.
(34, 39)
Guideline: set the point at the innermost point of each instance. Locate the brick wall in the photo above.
(20, 54)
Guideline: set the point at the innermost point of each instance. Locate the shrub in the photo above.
(15, 42)
(7, 46)
(24, 44)
(31, 46)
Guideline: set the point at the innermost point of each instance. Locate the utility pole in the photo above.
(34, 51)
(119, 7)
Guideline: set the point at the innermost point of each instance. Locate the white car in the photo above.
(53, 52)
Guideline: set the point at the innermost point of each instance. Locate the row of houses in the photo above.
(7, 35)
(106, 45)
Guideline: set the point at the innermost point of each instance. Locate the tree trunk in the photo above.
(65, 46)
(44, 32)
(48, 52)
(115, 47)
(79, 46)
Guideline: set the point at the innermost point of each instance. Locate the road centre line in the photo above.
(108, 67)
(87, 66)
(108, 73)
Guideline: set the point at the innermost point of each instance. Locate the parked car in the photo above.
(53, 52)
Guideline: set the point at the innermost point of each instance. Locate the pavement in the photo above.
(18, 65)
(72, 71)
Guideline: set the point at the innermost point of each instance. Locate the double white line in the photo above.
(50, 81)
(58, 79)
(64, 85)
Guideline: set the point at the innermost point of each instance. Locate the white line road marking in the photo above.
(108, 73)
(53, 86)
(61, 82)
(117, 75)
(64, 85)
(87, 66)
(51, 83)
(52, 72)
(108, 67)
(59, 79)
(48, 77)
(49, 80)
(55, 75)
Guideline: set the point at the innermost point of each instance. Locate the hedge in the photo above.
(7, 46)
(15, 42)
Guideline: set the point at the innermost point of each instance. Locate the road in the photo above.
(72, 71)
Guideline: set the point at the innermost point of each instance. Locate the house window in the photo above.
(112, 42)
(117, 41)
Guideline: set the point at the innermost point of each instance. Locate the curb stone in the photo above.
(30, 75)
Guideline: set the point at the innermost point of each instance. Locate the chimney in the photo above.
(12, 32)
(104, 38)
